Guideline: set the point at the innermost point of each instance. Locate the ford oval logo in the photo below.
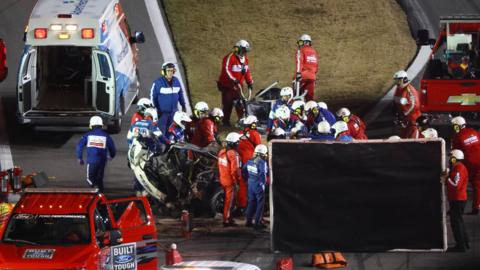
(123, 258)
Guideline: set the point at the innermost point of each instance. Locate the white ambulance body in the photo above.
(79, 60)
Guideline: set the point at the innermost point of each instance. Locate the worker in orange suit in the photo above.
(249, 139)
(407, 102)
(229, 169)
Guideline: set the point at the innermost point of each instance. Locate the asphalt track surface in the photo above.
(53, 152)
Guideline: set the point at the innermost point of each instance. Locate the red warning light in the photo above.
(88, 33)
(40, 33)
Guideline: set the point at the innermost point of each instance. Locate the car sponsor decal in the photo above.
(39, 254)
(467, 99)
(123, 256)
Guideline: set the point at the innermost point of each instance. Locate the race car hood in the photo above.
(45, 257)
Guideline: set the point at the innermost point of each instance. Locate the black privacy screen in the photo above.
(368, 196)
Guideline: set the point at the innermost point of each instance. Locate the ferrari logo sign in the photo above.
(465, 99)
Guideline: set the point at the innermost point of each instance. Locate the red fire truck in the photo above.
(450, 85)
(58, 228)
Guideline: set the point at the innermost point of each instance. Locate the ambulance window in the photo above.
(26, 64)
(104, 66)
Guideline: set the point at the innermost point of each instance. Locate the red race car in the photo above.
(3, 60)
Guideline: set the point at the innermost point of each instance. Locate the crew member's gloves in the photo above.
(298, 77)
(184, 108)
(236, 81)
(250, 87)
(81, 162)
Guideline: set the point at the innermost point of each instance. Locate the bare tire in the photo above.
(216, 202)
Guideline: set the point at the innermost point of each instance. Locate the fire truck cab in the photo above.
(451, 82)
(79, 60)
(58, 228)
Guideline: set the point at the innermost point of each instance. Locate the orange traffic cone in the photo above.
(172, 255)
(285, 263)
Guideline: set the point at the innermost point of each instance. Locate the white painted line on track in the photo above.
(165, 42)
(413, 70)
(6, 161)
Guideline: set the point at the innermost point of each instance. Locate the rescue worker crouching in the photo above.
(256, 171)
(229, 169)
(216, 115)
(341, 131)
(468, 141)
(457, 197)
(323, 132)
(99, 145)
(316, 113)
(249, 139)
(176, 131)
(356, 126)
(286, 99)
(203, 131)
(282, 120)
(142, 105)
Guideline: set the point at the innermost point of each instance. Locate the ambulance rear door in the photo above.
(103, 76)
(26, 84)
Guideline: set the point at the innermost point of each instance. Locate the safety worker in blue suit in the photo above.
(148, 133)
(286, 99)
(176, 131)
(166, 93)
(323, 133)
(99, 145)
(256, 171)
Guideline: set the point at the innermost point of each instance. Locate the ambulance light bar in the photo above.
(71, 27)
(40, 33)
(55, 27)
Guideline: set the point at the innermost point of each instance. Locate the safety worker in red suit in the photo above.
(255, 171)
(142, 105)
(421, 129)
(203, 126)
(468, 141)
(457, 197)
(235, 71)
(286, 99)
(306, 63)
(406, 101)
(216, 115)
(356, 126)
(250, 138)
(229, 169)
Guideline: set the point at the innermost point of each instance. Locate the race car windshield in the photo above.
(34, 229)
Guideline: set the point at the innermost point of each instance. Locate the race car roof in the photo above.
(85, 8)
(55, 203)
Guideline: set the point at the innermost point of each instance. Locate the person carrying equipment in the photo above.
(406, 101)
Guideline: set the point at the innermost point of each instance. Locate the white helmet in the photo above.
(232, 138)
(340, 126)
(283, 112)
(180, 117)
(144, 103)
(201, 106)
(459, 121)
(324, 127)
(286, 91)
(152, 113)
(394, 138)
(261, 149)
(278, 132)
(322, 105)
(243, 44)
(343, 112)
(305, 38)
(458, 154)
(430, 133)
(96, 121)
(401, 74)
(250, 120)
(216, 112)
(298, 104)
(310, 105)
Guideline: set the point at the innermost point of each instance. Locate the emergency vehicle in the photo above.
(80, 59)
(3, 60)
(451, 82)
(58, 228)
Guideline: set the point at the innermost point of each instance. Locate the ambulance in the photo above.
(79, 60)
